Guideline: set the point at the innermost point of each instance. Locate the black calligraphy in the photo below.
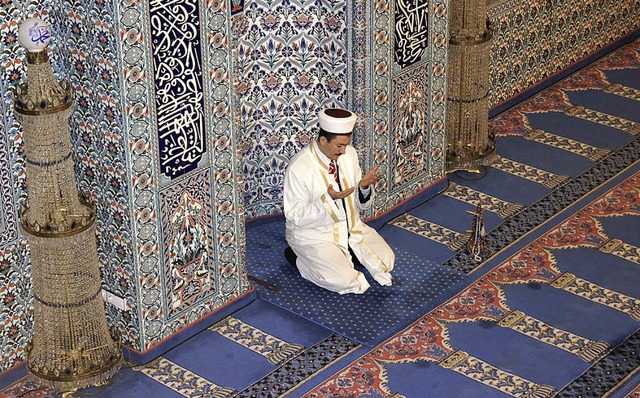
(177, 61)
(411, 31)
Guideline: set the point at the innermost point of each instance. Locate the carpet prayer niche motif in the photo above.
(452, 239)
(548, 179)
(567, 144)
(272, 348)
(622, 249)
(191, 384)
(294, 363)
(502, 208)
(182, 380)
(428, 339)
(515, 121)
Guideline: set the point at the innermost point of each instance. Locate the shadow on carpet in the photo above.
(367, 318)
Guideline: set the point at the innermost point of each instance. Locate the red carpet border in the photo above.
(428, 339)
(515, 122)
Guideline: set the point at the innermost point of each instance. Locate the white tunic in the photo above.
(321, 230)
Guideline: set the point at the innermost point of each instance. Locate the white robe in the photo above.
(316, 225)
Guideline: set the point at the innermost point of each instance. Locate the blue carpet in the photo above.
(610, 104)
(129, 383)
(590, 133)
(503, 185)
(625, 77)
(453, 214)
(544, 157)
(506, 349)
(368, 318)
(211, 365)
(426, 248)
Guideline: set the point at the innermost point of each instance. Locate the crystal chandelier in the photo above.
(470, 143)
(72, 346)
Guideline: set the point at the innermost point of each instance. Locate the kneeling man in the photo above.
(324, 191)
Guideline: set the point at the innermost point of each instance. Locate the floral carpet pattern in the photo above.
(428, 339)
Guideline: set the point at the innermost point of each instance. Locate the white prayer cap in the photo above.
(337, 121)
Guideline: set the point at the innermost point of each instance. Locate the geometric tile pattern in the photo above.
(186, 228)
(190, 273)
(292, 57)
(307, 62)
(89, 56)
(101, 48)
(16, 298)
(108, 55)
(392, 96)
(8, 215)
(410, 129)
(533, 39)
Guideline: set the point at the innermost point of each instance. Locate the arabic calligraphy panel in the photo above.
(411, 31)
(177, 61)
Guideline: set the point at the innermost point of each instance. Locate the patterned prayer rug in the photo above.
(367, 318)
(544, 315)
(259, 351)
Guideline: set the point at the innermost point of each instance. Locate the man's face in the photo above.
(334, 148)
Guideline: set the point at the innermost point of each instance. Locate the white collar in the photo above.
(321, 155)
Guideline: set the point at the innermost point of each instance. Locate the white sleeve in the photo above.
(304, 208)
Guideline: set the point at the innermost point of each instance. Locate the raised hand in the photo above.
(339, 194)
(370, 178)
